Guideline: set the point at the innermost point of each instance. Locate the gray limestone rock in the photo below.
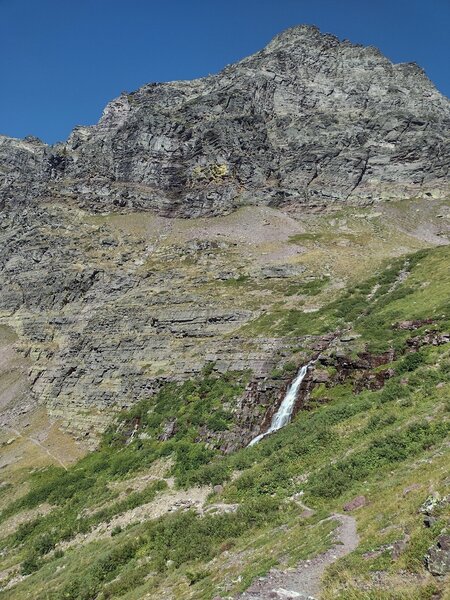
(437, 559)
(104, 317)
(307, 120)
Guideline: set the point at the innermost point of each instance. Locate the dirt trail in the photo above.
(303, 581)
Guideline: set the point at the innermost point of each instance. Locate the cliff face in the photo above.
(111, 298)
(309, 120)
(109, 308)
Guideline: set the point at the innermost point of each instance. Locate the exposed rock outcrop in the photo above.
(106, 313)
(307, 120)
(437, 559)
(106, 318)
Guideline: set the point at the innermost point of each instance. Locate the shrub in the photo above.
(393, 390)
(379, 421)
(214, 473)
(44, 544)
(195, 576)
(189, 458)
(30, 564)
(332, 481)
(411, 362)
(103, 569)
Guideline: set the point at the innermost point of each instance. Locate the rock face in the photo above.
(438, 558)
(105, 317)
(308, 120)
(109, 301)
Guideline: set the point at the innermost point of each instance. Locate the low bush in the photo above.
(378, 421)
(393, 390)
(334, 480)
(411, 362)
(30, 564)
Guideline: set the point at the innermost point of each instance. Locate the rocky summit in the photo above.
(308, 120)
(225, 338)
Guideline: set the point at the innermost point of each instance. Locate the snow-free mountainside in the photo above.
(225, 338)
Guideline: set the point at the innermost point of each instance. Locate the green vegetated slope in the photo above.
(390, 445)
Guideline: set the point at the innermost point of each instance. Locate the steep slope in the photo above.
(373, 442)
(165, 273)
(108, 308)
(308, 120)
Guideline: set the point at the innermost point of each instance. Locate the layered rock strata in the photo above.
(308, 120)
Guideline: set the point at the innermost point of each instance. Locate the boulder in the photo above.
(398, 548)
(170, 428)
(411, 488)
(321, 376)
(437, 559)
(357, 502)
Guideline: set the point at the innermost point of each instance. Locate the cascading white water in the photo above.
(283, 414)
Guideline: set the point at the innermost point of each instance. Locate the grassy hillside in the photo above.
(140, 518)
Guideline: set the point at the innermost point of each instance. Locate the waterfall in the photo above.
(283, 414)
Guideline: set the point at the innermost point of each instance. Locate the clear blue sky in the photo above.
(61, 61)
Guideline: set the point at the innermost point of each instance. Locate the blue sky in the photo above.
(61, 61)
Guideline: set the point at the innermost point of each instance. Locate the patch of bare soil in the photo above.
(11, 524)
(166, 502)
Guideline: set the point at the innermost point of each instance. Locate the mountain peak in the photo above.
(301, 32)
(307, 120)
